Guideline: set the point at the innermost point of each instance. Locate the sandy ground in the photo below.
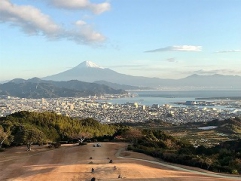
(73, 163)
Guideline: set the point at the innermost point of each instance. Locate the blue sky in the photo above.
(153, 38)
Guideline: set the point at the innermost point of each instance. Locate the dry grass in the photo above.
(71, 163)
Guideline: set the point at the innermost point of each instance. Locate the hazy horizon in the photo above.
(117, 72)
(164, 39)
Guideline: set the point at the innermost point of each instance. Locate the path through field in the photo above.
(74, 163)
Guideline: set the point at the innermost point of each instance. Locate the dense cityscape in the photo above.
(106, 112)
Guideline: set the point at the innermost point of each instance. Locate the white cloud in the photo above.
(228, 51)
(81, 5)
(186, 48)
(29, 18)
(171, 60)
(99, 8)
(84, 33)
(33, 22)
(80, 23)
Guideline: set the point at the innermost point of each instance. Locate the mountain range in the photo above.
(90, 72)
(37, 88)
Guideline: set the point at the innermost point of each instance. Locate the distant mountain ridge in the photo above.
(122, 86)
(90, 72)
(37, 88)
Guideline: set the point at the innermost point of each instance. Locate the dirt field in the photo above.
(73, 163)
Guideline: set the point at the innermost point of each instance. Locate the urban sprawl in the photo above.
(95, 107)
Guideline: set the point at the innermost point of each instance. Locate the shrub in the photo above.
(57, 145)
(234, 171)
(83, 143)
(129, 147)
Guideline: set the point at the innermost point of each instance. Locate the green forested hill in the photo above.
(229, 126)
(37, 88)
(232, 125)
(53, 127)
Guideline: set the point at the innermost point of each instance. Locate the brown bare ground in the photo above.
(73, 163)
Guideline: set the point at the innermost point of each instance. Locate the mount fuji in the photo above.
(88, 64)
(88, 71)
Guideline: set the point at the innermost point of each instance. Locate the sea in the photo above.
(149, 98)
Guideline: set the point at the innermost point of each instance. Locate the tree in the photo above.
(208, 162)
(3, 136)
(132, 135)
(81, 136)
(29, 136)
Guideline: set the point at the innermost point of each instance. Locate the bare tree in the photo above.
(208, 162)
(132, 135)
(3, 136)
(81, 136)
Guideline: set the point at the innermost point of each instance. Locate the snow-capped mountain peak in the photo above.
(88, 64)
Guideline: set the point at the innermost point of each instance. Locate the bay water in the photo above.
(149, 98)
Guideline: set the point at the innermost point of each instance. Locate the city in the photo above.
(115, 113)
